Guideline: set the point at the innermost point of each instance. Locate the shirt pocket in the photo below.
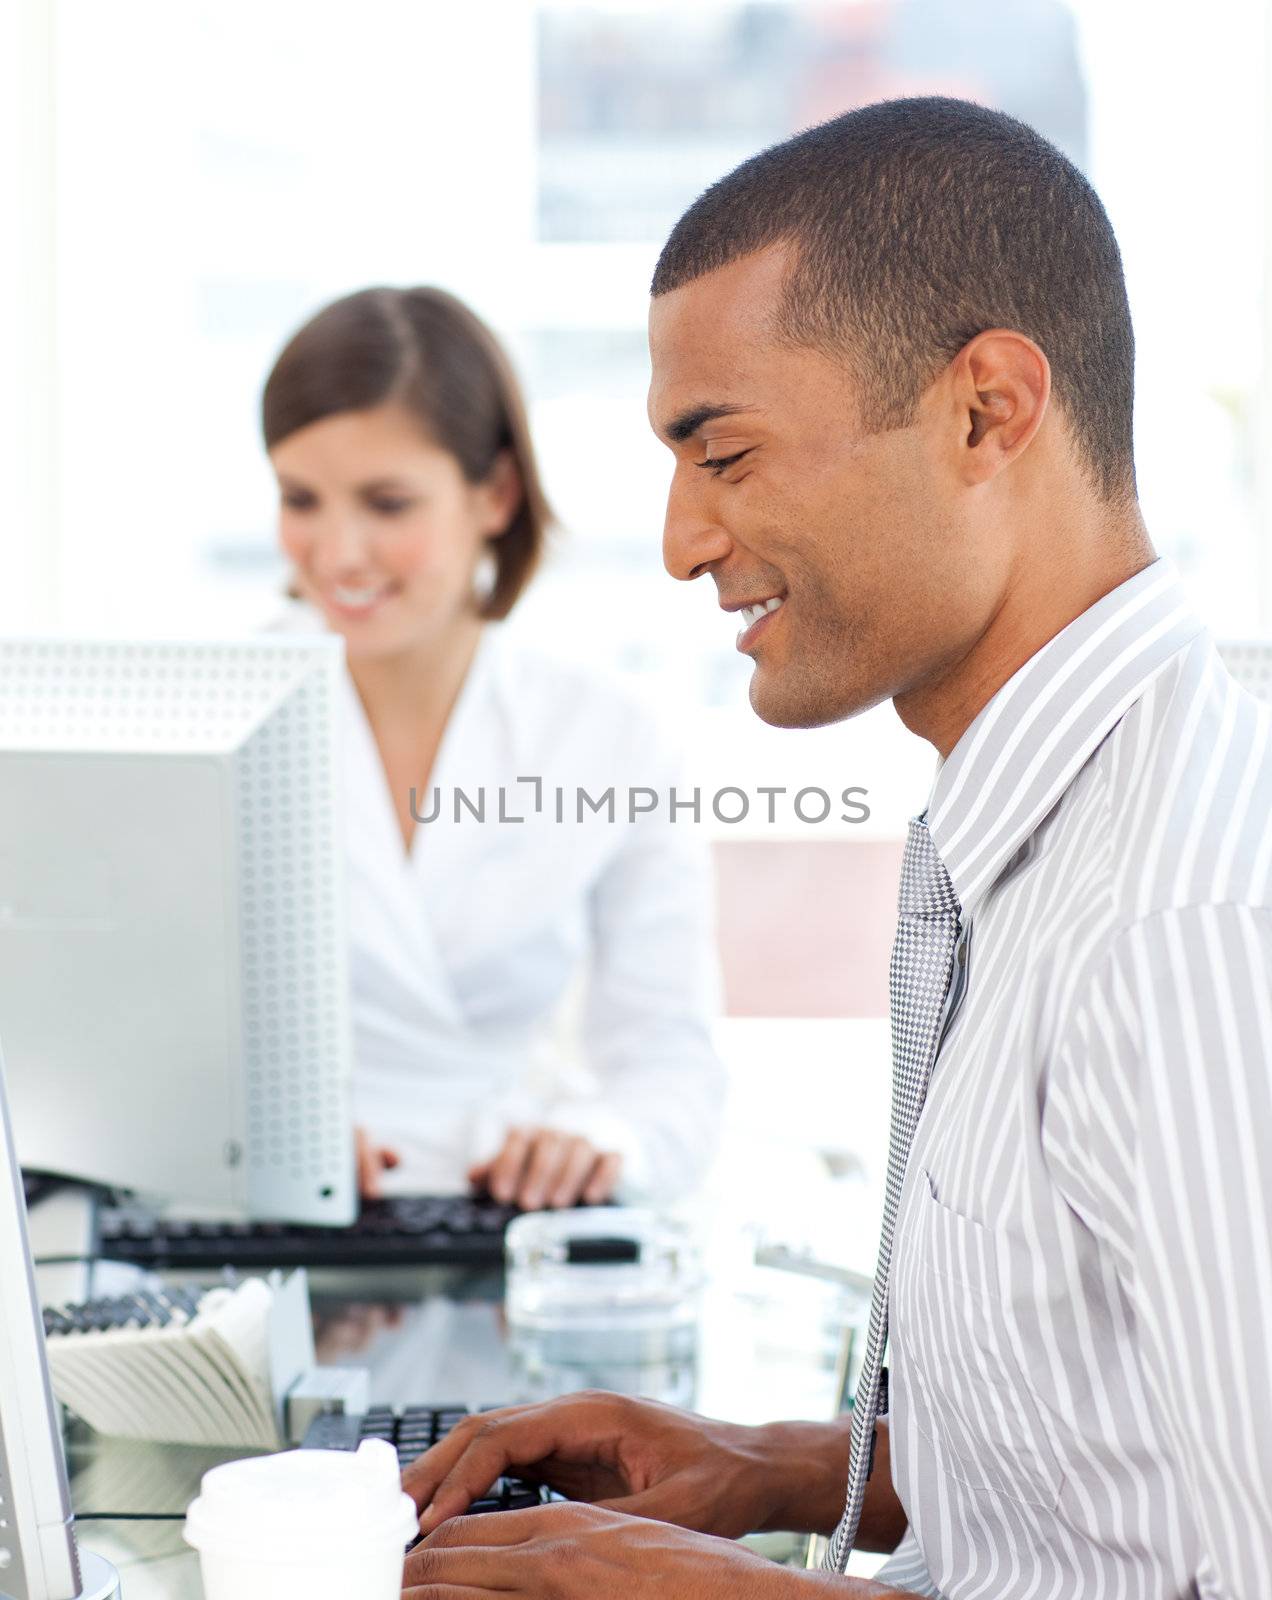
(973, 1401)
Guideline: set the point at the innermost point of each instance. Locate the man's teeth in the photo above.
(752, 614)
(356, 597)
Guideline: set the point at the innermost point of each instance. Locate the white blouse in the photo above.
(505, 972)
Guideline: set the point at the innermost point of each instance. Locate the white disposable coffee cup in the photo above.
(304, 1525)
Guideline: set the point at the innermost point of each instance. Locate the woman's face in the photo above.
(382, 528)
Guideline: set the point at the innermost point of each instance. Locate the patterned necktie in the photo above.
(919, 982)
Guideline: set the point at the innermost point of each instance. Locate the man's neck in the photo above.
(1038, 603)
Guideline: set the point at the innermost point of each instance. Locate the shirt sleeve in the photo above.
(1166, 1158)
(651, 996)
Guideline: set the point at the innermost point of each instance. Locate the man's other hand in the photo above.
(565, 1552)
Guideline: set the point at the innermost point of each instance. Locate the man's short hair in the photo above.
(918, 224)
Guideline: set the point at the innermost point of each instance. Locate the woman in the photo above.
(413, 517)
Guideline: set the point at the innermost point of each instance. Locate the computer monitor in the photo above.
(173, 949)
(1250, 663)
(39, 1559)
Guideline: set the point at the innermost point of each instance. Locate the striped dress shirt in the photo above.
(1081, 1301)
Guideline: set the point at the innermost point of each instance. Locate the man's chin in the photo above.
(789, 700)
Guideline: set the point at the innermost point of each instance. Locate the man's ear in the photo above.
(501, 495)
(1001, 385)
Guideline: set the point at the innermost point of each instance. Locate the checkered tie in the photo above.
(922, 965)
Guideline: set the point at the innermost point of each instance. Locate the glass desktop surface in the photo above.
(768, 1343)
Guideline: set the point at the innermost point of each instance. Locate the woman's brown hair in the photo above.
(426, 351)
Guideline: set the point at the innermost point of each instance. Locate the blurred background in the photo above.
(193, 179)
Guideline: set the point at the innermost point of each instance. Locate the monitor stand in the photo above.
(98, 1579)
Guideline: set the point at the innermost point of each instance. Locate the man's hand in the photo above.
(587, 1553)
(649, 1460)
(539, 1167)
(634, 1456)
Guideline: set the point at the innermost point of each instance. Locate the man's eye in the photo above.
(391, 506)
(298, 500)
(718, 464)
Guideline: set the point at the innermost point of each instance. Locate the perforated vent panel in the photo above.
(295, 957)
(111, 695)
(12, 1571)
(267, 705)
(1251, 665)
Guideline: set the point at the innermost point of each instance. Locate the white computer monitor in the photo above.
(173, 949)
(1250, 663)
(39, 1559)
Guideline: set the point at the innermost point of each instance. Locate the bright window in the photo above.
(219, 170)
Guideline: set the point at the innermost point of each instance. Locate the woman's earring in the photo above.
(485, 578)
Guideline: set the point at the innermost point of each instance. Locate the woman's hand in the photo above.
(540, 1167)
(351, 1328)
(372, 1159)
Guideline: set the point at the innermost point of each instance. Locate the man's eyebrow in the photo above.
(685, 425)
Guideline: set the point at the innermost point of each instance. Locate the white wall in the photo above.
(28, 460)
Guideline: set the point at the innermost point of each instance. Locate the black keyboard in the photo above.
(411, 1432)
(38, 1186)
(408, 1230)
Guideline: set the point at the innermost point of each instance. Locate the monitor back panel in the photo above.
(118, 996)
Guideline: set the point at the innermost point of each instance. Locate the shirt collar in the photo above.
(1030, 741)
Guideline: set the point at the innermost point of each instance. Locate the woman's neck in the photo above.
(418, 687)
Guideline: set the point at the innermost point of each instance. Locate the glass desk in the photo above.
(769, 1343)
(805, 1167)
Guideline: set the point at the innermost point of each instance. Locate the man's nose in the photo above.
(693, 540)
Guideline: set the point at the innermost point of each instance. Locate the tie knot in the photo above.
(926, 890)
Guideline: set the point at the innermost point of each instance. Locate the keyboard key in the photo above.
(411, 1433)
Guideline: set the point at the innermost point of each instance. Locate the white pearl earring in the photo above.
(485, 577)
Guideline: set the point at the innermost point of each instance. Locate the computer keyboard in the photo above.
(38, 1186)
(411, 1432)
(407, 1230)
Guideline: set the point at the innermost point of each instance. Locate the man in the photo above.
(893, 358)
